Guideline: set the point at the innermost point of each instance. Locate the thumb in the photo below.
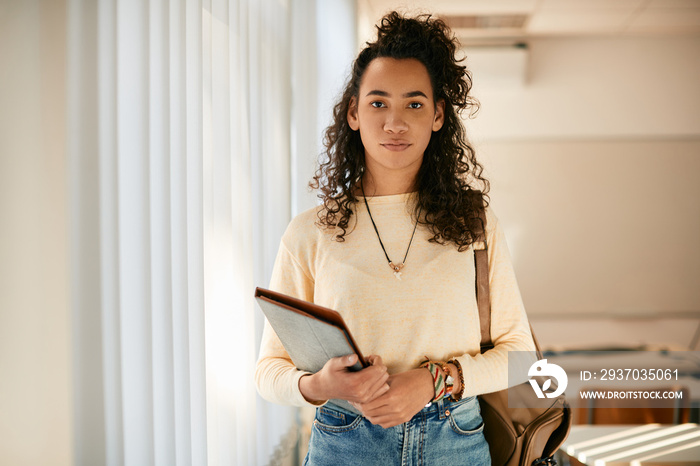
(341, 362)
(349, 360)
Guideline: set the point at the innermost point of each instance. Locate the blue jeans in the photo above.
(445, 433)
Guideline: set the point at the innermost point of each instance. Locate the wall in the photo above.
(35, 386)
(632, 87)
(601, 226)
(594, 160)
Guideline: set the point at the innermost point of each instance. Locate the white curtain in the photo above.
(179, 147)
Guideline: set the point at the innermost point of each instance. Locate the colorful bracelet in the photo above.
(458, 396)
(447, 373)
(439, 385)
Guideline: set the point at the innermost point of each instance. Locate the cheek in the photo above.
(426, 127)
(370, 119)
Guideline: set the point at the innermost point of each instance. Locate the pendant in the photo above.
(397, 269)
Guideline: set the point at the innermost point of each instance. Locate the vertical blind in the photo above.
(178, 138)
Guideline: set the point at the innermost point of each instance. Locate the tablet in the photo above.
(310, 334)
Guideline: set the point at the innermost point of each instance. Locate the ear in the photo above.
(439, 115)
(353, 121)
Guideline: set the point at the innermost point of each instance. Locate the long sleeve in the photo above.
(510, 330)
(276, 378)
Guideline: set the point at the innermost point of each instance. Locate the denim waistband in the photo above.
(440, 406)
(445, 405)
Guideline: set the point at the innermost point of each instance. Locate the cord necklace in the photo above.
(395, 267)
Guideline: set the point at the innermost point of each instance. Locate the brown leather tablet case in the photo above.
(311, 334)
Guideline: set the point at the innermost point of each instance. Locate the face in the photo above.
(396, 115)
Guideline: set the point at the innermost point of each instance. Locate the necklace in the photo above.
(395, 267)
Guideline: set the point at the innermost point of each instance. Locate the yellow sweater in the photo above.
(431, 311)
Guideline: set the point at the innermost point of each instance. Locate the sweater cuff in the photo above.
(299, 399)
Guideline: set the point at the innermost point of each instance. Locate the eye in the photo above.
(415, 105)
(377, 104)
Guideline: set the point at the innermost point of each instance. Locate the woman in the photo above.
(391, 249)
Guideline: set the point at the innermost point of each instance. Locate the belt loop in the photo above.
(441, 408)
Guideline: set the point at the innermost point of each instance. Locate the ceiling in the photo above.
(489, 21)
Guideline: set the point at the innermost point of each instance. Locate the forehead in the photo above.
(396, 76)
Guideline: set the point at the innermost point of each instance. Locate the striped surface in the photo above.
(650, 444)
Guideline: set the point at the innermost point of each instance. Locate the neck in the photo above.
(387, 186)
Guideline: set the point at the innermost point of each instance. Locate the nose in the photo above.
(395, 122)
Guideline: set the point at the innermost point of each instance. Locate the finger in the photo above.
(380, 391)
(386, 421)
(374, 374)
(391, 423)
(383, 420)
(375, 414)
(380, 405)
(368, 397)
(376, 360)
(370, 376)
(379, 387)
(373, 382)
(360, 407)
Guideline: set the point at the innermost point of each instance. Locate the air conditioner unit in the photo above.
(493, 44)
(498, 65)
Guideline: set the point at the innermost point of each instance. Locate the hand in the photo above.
(334, 380)
(408, 393)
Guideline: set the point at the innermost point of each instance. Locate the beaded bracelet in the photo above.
(458, 396)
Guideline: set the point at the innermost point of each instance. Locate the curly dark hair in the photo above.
(446, 180)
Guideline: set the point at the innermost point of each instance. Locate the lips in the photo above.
(396, 146)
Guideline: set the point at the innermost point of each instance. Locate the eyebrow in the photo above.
(406, 95)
